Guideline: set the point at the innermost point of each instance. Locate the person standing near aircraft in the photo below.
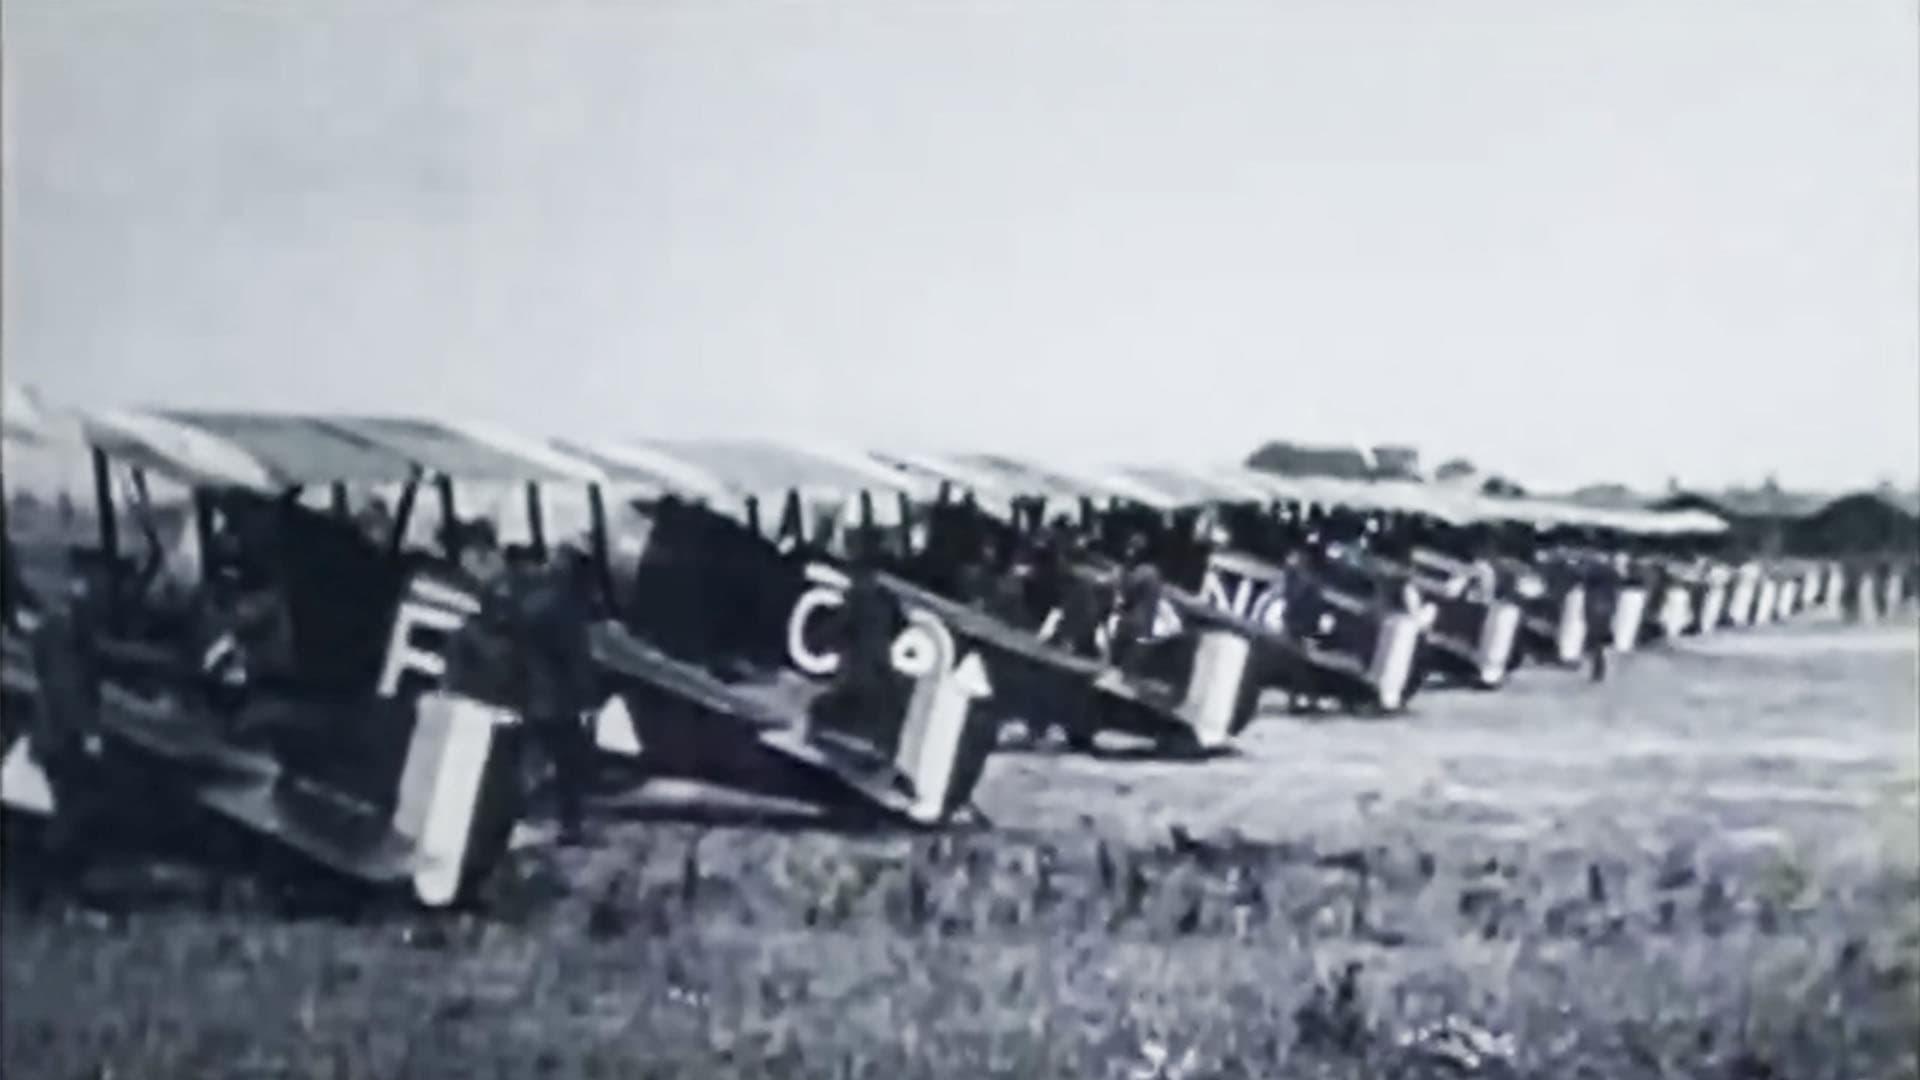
(1851, 573)
(865, 694)
(1602, 593)
(480, 660)
(222, 660)
(65, 730)
(375, 522)
(1301, 585)
(976, 577)
(14, 598)
(1483, 581)
(1072, 602)
(1138, 612)
(555, 655)
(1007, 594)
(527, 649)
(246, 632)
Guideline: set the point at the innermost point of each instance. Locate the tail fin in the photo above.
(458, 785)
(1676, 610)
(456, 791)
(613, 728)
(1393, 655)
(1746, 595)
(1835, 590)
(1713, 607)
(1570, 635)
(1497, 636)
(1865, 606)
(1214, 689)
(923, 719)
(943, 744)
(23, 783)
(1629, 609)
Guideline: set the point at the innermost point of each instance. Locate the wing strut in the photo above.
(403, 514)
(450, 538)
(536, 521)
(602, 550)
(109, 527)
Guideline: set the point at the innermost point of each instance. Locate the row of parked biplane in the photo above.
(720, 574)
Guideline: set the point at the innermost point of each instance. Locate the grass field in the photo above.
(1708, 865)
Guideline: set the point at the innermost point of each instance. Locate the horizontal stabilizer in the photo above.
(352, 840)
(163, 730)
(782, 730)
(983, 629)
(23, 784)
(621, 653)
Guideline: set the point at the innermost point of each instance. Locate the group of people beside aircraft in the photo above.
(1089, 604)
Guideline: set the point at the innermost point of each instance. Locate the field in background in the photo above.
(1707, 865)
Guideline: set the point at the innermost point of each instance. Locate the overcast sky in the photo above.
(1594, 240)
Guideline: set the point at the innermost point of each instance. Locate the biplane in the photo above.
(804, 528)
(1675, 578)
(732, 648)
(1703, 583)
(356, 755)
(1408, 543)
(322, 726)
(1830, 588)
(1896, 588)
(1060, 559)
(1512, 534)
(1813, 583)
(1873, 588)
(1743, 592)
(1612, 554)
(1316, 639)
(1636, 563)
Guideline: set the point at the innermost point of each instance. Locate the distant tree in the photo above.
(1295, 459)
(1608, 494)
(1397, 462)
(1454, 469)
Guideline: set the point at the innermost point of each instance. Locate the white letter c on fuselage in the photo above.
(819, 664)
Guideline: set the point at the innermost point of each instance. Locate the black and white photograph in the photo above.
(888, 539)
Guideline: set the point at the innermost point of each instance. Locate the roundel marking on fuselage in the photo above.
(1270, 610)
